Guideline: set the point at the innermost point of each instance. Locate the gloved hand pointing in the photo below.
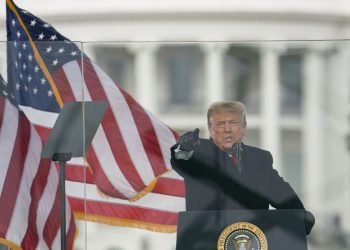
(189, 140)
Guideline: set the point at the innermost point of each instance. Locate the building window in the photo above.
(181, 82)
(291, 65)
(118, 64)
(242, 77)
(292, 158)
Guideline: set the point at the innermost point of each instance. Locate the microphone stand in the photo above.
(237, 148)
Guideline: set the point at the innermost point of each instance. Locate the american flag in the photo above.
(29, 187)
(130, 153)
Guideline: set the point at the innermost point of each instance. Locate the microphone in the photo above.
(236, 151)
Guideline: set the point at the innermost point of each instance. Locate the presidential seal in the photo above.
(242, 236)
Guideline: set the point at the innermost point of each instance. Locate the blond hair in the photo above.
(227, 106)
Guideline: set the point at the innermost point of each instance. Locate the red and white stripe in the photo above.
(29, 187)
(157, 210)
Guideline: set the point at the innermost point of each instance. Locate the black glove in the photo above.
(189, 140)
(309, 220)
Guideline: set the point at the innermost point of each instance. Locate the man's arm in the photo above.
(282, 196)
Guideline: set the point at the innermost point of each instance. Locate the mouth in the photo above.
(228, 139)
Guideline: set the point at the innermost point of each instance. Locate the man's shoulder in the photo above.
(260, 155)
(255, 150)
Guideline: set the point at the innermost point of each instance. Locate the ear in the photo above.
(243, 131)
(210, 129)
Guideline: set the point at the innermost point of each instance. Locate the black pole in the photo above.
(62, 158)
(63, 203)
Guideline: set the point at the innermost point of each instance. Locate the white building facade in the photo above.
(288, 61)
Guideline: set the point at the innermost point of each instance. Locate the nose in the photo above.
(227, 127)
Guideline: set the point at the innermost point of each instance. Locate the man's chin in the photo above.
(227, 147)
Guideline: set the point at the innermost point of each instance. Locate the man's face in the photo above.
(226, 129)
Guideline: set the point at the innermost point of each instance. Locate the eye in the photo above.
(233, 122)
(220, 124)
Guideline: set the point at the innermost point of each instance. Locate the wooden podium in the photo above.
(241, 230)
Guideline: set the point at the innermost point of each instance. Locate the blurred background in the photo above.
(288, 61)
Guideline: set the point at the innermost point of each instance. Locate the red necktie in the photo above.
(234, 160)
